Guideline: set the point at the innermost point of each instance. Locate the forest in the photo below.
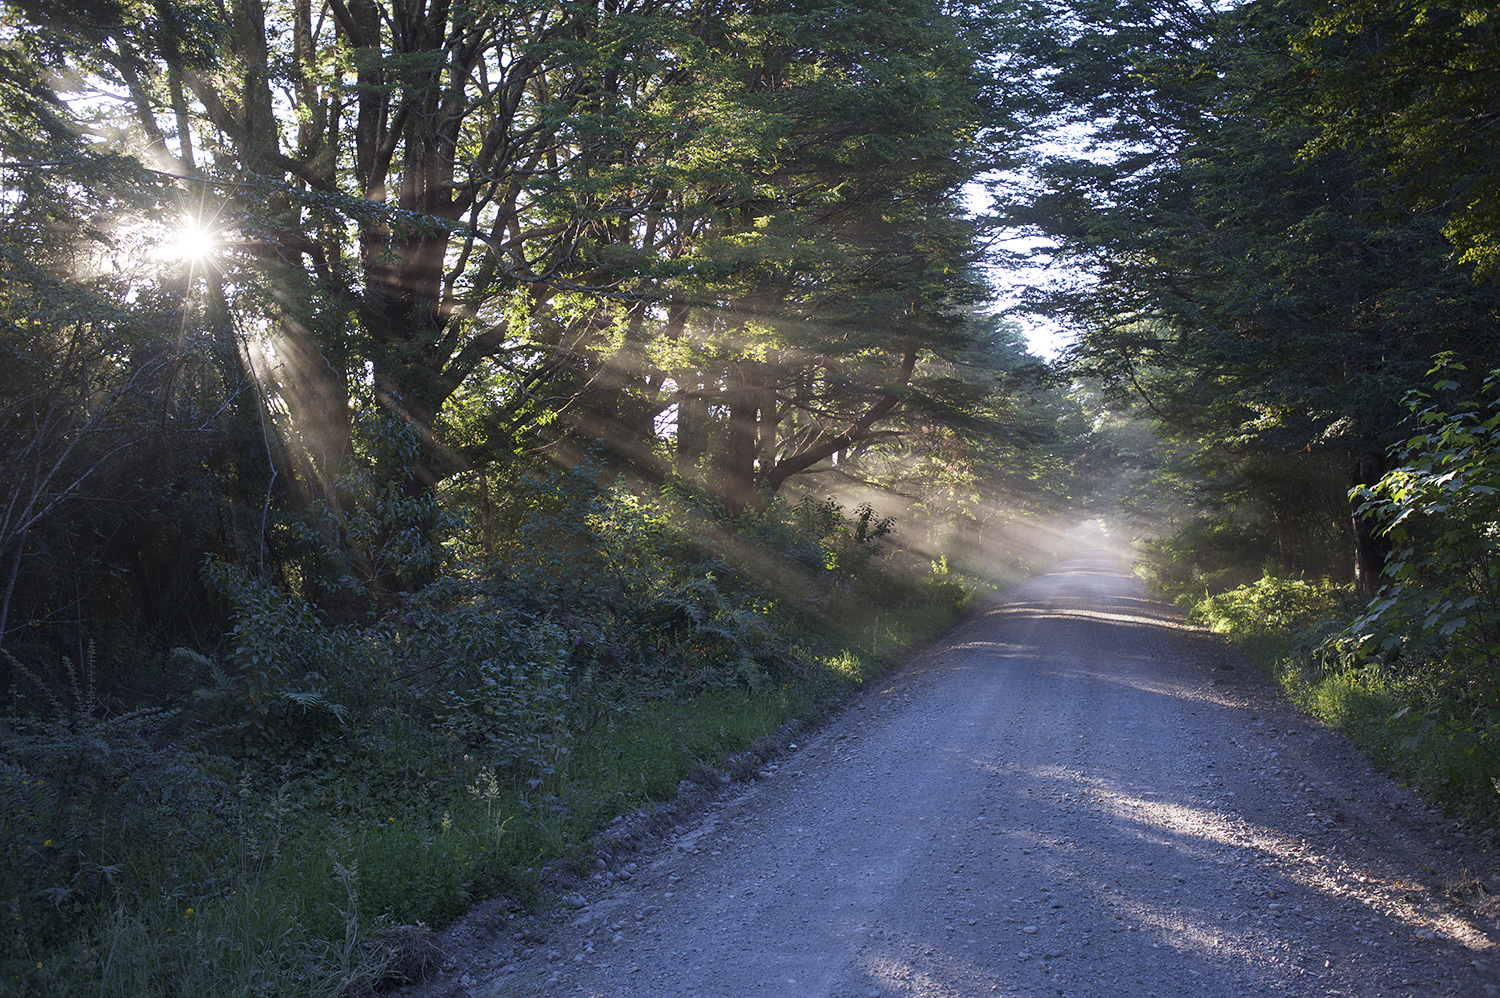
(430, 428)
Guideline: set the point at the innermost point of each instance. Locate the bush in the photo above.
(78, 791)
(1439, 616)
(1430, 640)
(1212, 554)
(1270, 603)
(338, 776)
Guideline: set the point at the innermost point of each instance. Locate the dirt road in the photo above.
(1072, 794)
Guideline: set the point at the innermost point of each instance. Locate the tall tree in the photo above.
(106, 408)
(729, 230)
(1413, 87)
(1253, 298)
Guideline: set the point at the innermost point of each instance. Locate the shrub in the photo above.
(350, 773)
(1430, 639)
(1271, 604)
(78, 790)
(1439, 616)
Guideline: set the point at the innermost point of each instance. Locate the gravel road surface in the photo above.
(1072, 794)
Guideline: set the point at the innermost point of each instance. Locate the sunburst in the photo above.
(191, 242)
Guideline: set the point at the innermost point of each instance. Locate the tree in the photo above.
(811, 250)
(104, 407)
(1413, 88)
(522, 200)
(1255, 300)
(716, 241)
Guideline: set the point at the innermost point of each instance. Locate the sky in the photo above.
(1044, 338)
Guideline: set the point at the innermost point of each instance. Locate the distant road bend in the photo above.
(1073, 794)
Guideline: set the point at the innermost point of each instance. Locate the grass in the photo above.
(240, 878)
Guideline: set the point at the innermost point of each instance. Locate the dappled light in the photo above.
(445, 446)
(1148, 616)
(1061, 799)
(1094, 831)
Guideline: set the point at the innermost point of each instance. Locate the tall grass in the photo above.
(289, 894)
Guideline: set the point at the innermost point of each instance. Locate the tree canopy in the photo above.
(1260, 286)
(712, 242)
(1414, 89)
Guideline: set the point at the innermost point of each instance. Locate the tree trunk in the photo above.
(858, 431)
(692, 426)
(736, 472)
(1370, 548)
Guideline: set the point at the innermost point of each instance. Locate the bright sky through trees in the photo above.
(190, 241)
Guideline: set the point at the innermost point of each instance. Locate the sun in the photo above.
(191, 242)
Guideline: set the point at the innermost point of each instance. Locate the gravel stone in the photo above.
(1073, 759)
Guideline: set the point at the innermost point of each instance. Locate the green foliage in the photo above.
(1210, 554)
(80, 789)
(1294, 506)
(1431, 637)
(382, 535)
(1411, 87)
(1439, 508)
(1273, 604)
(1411, 731)
(275, 681)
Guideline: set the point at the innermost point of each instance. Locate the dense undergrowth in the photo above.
(317, 782)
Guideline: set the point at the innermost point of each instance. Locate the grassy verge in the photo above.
(1402, 714)
(136, 869)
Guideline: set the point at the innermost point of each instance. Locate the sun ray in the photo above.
(191, 242)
